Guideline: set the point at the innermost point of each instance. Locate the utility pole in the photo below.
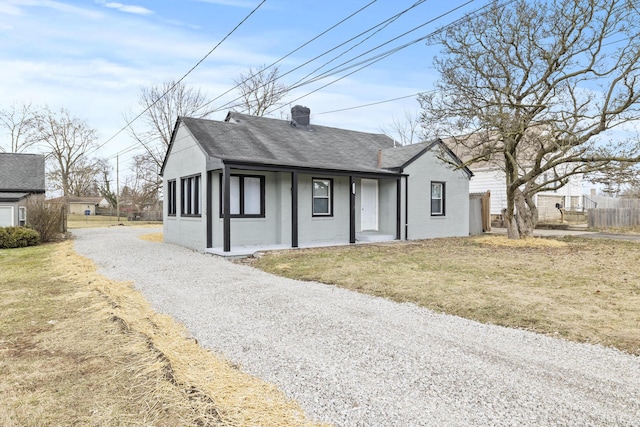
(118, 186)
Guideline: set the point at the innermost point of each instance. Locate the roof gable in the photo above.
(22, 173)
(245, 138)
(402, 156)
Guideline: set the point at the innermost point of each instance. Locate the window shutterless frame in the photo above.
(247, 196)
(322, 197)
(437, 198)
(190, 195)
(172, 197)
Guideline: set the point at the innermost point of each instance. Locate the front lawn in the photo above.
(581, 289)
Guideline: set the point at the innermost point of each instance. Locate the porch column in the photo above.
(398, 208)
(209, 196)
(352, 209)
(226, 211)
(294, 209)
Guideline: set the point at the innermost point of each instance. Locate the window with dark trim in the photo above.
(247, 196)
(22, 216)
(190, 196)
(171, 195)
(322, 197)
(437, 198)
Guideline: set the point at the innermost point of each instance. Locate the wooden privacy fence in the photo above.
(479, 213)
(614, 217)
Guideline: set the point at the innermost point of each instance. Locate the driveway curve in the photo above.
(356, 360)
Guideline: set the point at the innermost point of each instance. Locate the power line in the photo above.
(286, 56)
(181, 79)
(372, 60)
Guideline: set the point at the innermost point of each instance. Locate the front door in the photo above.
(368, 204)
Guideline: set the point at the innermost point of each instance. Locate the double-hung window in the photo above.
(247, 196)
(437, 198)
(322, 197)
(190, 200)
(22, 216)
(171, 195)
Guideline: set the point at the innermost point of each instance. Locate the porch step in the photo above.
(374, 236)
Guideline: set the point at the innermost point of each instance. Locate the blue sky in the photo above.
(92, 57)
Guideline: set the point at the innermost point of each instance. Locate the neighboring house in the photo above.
(255, 181)
(81, 205)
(491, 178)
(21, 177)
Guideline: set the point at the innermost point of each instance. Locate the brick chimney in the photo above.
(300, 116)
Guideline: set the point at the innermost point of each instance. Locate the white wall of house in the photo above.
(455, 221)
(186, 159)
(493, 179)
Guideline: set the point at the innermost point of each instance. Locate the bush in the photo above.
(47, 219)
(18, 237)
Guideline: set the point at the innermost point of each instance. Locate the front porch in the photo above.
(243, 251)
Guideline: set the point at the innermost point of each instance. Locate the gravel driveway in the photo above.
(356, 360)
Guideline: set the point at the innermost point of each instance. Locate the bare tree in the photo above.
(161, 105)
(142, 188)
(19, 121)
(65, 140)
(103, 183)
(534, 86)
(620, 179)
(83, 177)
(260, 90)
(405, 130)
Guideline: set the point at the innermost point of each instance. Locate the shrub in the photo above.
(47, 219)
(18, 237)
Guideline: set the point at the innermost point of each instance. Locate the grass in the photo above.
(78, 349)
(585, 290)
(91, 221)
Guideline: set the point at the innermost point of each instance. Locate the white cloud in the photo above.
(138, 10)
(234, 3)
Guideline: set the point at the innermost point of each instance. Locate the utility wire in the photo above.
(181, 78)
(382, 24)
(372, 60)
(284, 57)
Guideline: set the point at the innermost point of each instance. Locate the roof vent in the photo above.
(300, 116)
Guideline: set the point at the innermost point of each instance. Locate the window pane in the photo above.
(320, 206)
(436, 191)
(235, 195)
(320, 188)
(252, 197)
(436, 206)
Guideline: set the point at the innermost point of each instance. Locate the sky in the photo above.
(93, 57)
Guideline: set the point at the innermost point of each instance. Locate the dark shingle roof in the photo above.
(12, 197)
(22, 173)
(271, 141)
(402, 156)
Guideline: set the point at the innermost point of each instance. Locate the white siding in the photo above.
(186, 158)
(494, 180)
(421, 224)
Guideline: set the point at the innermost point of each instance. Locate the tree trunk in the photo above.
(524, 217)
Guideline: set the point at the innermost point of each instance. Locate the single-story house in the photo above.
(81, 205)
(257, 181)
(21, 177)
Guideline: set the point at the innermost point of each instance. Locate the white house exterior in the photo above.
(493, 179)
(253, 181)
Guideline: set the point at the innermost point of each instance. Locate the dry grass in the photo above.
(580, 289)
(153, 237)
(91, 221)
(77, 349)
